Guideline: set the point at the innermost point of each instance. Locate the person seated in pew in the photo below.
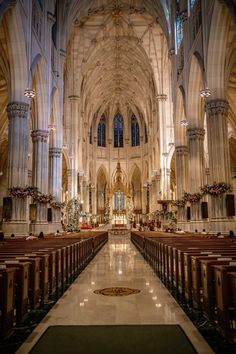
(196, 231)
(12, 235)
(203, 232)
(231, 233)
(219, 235)
(179, 231)
(57, 233)
(31, 237)
(41, 235)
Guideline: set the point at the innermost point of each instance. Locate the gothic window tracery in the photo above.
(101, 132)
(135, 141)
(118, 130)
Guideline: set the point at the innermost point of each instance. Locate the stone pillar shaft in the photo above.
(181, 170)
(18, 157)
(18, 144)
(73, 143)
(196, 158)
(55, 179)
(40, 159)
(218, 147)
(40, 170)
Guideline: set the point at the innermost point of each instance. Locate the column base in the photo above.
(223, 225)
(18, 228)
(191, 226)
(53, 227)
(37, 227)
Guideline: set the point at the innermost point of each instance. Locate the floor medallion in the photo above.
(117, 291)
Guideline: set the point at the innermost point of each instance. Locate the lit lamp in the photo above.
(206, 92)
(29, 93)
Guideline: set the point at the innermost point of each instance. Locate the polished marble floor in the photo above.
(118, 264)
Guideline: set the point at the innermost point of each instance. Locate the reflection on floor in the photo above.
(118, 264)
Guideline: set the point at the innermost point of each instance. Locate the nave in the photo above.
(118, 264)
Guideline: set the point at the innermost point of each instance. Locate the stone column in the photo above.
(69, 184)
(18, 133)
(40, 177)
(73, 144)
(219, 160)
(181, 166)
(55, 165)
(196, 167)
(94, 200)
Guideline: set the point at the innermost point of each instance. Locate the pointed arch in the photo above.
(195, 109)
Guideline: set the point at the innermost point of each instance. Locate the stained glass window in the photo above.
(192, 3)
(178, 31)
(119, 201)
(134, 131)
(101, 132)
(118, 130)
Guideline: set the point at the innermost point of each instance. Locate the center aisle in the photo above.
(118, 264)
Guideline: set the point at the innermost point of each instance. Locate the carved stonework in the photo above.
(69, 173)
(196, 133)
(55, 152)
(183, 16)
(39, 135)
(181, 150)
(218, 106)
(17, 110)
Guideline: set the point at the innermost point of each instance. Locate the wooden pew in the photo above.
(7, 279)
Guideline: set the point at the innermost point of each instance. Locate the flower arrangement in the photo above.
(22, 192)
(56, 204)
(179, 203)
(18, 192)
(42, 198)
(192, 198)
(216, 188)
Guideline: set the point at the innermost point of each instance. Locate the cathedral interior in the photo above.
(117, 113)
(91, 86)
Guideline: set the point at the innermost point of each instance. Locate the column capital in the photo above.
(39, 135)
(181, 150)
(218, 106)
(55, 152)
(17, 109)
(196, 133)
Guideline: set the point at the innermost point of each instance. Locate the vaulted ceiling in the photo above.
(118, 55)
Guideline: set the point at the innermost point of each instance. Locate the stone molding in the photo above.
(74, 97)
(181, 150)
(215, 107)
(69, 173)
(196, 133)
(39, 135)
(55, 152)
(17, 110)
